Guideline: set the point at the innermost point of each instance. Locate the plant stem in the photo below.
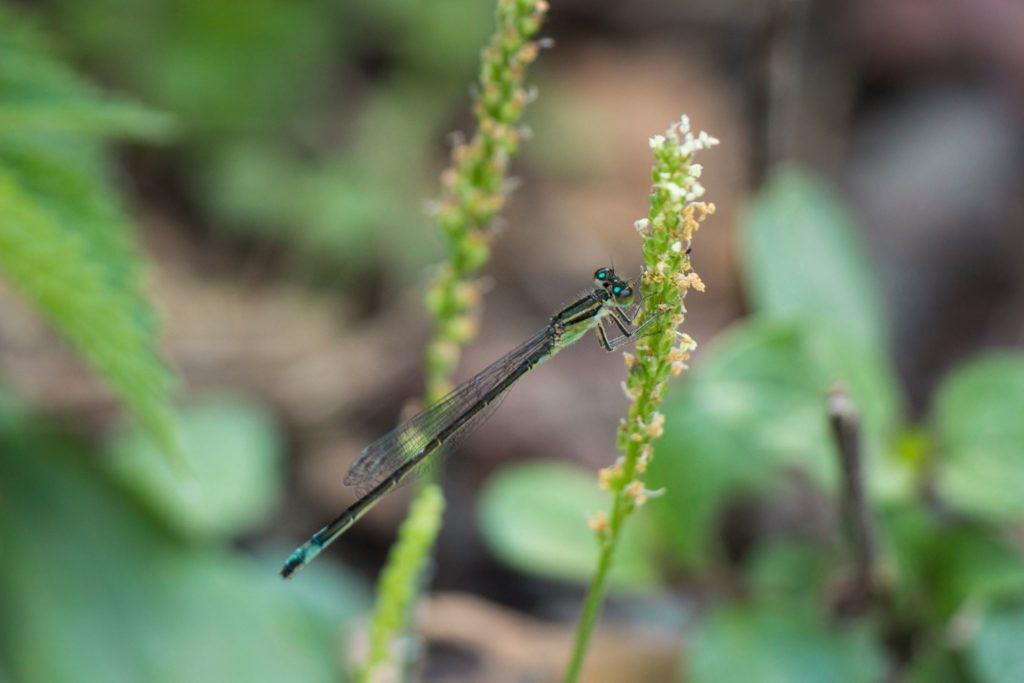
(592, 603)
(854, 510)
(474, 189)
(399, 581)
(673, 217)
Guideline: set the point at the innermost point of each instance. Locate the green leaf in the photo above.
(94, 591)
(791, 573)
(995, 653)
(233, 453)
(762, 381)
(79, 285)
(802, 259)
(40, 95)
(222, 66)
(341, 208)
(936, 666)
(534, 517)
(751, 402)
(64, 240)
(400, 584)
(977, 416)
(754, 404)
(940, 566)
(769, 645)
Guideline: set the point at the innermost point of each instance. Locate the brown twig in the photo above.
(853, 506)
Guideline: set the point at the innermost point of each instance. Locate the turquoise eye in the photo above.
(617, 289)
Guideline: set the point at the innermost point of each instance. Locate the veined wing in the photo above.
(417, 438)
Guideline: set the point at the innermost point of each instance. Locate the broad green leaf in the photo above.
(762, 382)
(12, 411)
(996, 652)
(699, 467)
(754, 404)
(940, 566)
(94, 591)
(977, 417)
(769, 645)
(802, 259)
(233, 454)
(534, 517)
(791, 573)
(936, 666)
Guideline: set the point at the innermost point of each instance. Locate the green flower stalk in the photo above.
(473, 194)
(474, 187)
(400, 580)
(674, 216)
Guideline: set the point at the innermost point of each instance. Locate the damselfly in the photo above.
(397, 455)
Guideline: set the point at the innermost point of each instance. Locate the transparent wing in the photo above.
(408, 441)
(431, 464)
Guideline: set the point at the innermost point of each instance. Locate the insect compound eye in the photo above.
(604, 277)
(622, 292)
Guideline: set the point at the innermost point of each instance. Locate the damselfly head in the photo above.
(618, 290)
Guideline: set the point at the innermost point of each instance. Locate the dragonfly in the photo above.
(414, 445)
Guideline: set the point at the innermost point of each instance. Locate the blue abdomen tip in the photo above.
(293, 562)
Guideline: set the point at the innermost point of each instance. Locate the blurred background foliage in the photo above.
(258, 90)
(255, 177)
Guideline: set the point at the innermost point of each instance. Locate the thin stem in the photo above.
(856, 516)
(608, 540)
(595, 594)
(591, 608)
(474, 186)
(399, 581)
(667, 232)
(473, 194)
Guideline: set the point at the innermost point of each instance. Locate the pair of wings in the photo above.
(408, 441)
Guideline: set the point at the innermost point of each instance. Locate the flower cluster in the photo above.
(473, 192)
(399, 581)
(475, 185)
(667, 231)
